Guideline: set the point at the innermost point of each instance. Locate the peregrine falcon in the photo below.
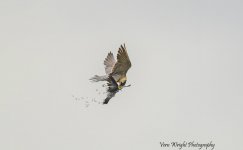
(116, 71)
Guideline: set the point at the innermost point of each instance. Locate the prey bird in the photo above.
(116, 71)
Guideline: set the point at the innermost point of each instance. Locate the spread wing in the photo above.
(123, 62)
(109, 63)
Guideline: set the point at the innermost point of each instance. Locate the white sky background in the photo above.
(186, 74)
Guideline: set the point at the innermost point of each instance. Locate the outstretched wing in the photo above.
(109, 63)
(112, 89)
(123, 62)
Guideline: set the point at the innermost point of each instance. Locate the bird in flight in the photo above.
(116, 71)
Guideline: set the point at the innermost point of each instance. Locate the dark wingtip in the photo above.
(106, 100)
(123, 46)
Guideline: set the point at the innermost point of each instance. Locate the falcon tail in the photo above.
(97, 78)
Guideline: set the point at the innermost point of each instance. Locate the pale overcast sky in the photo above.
(186, 74)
